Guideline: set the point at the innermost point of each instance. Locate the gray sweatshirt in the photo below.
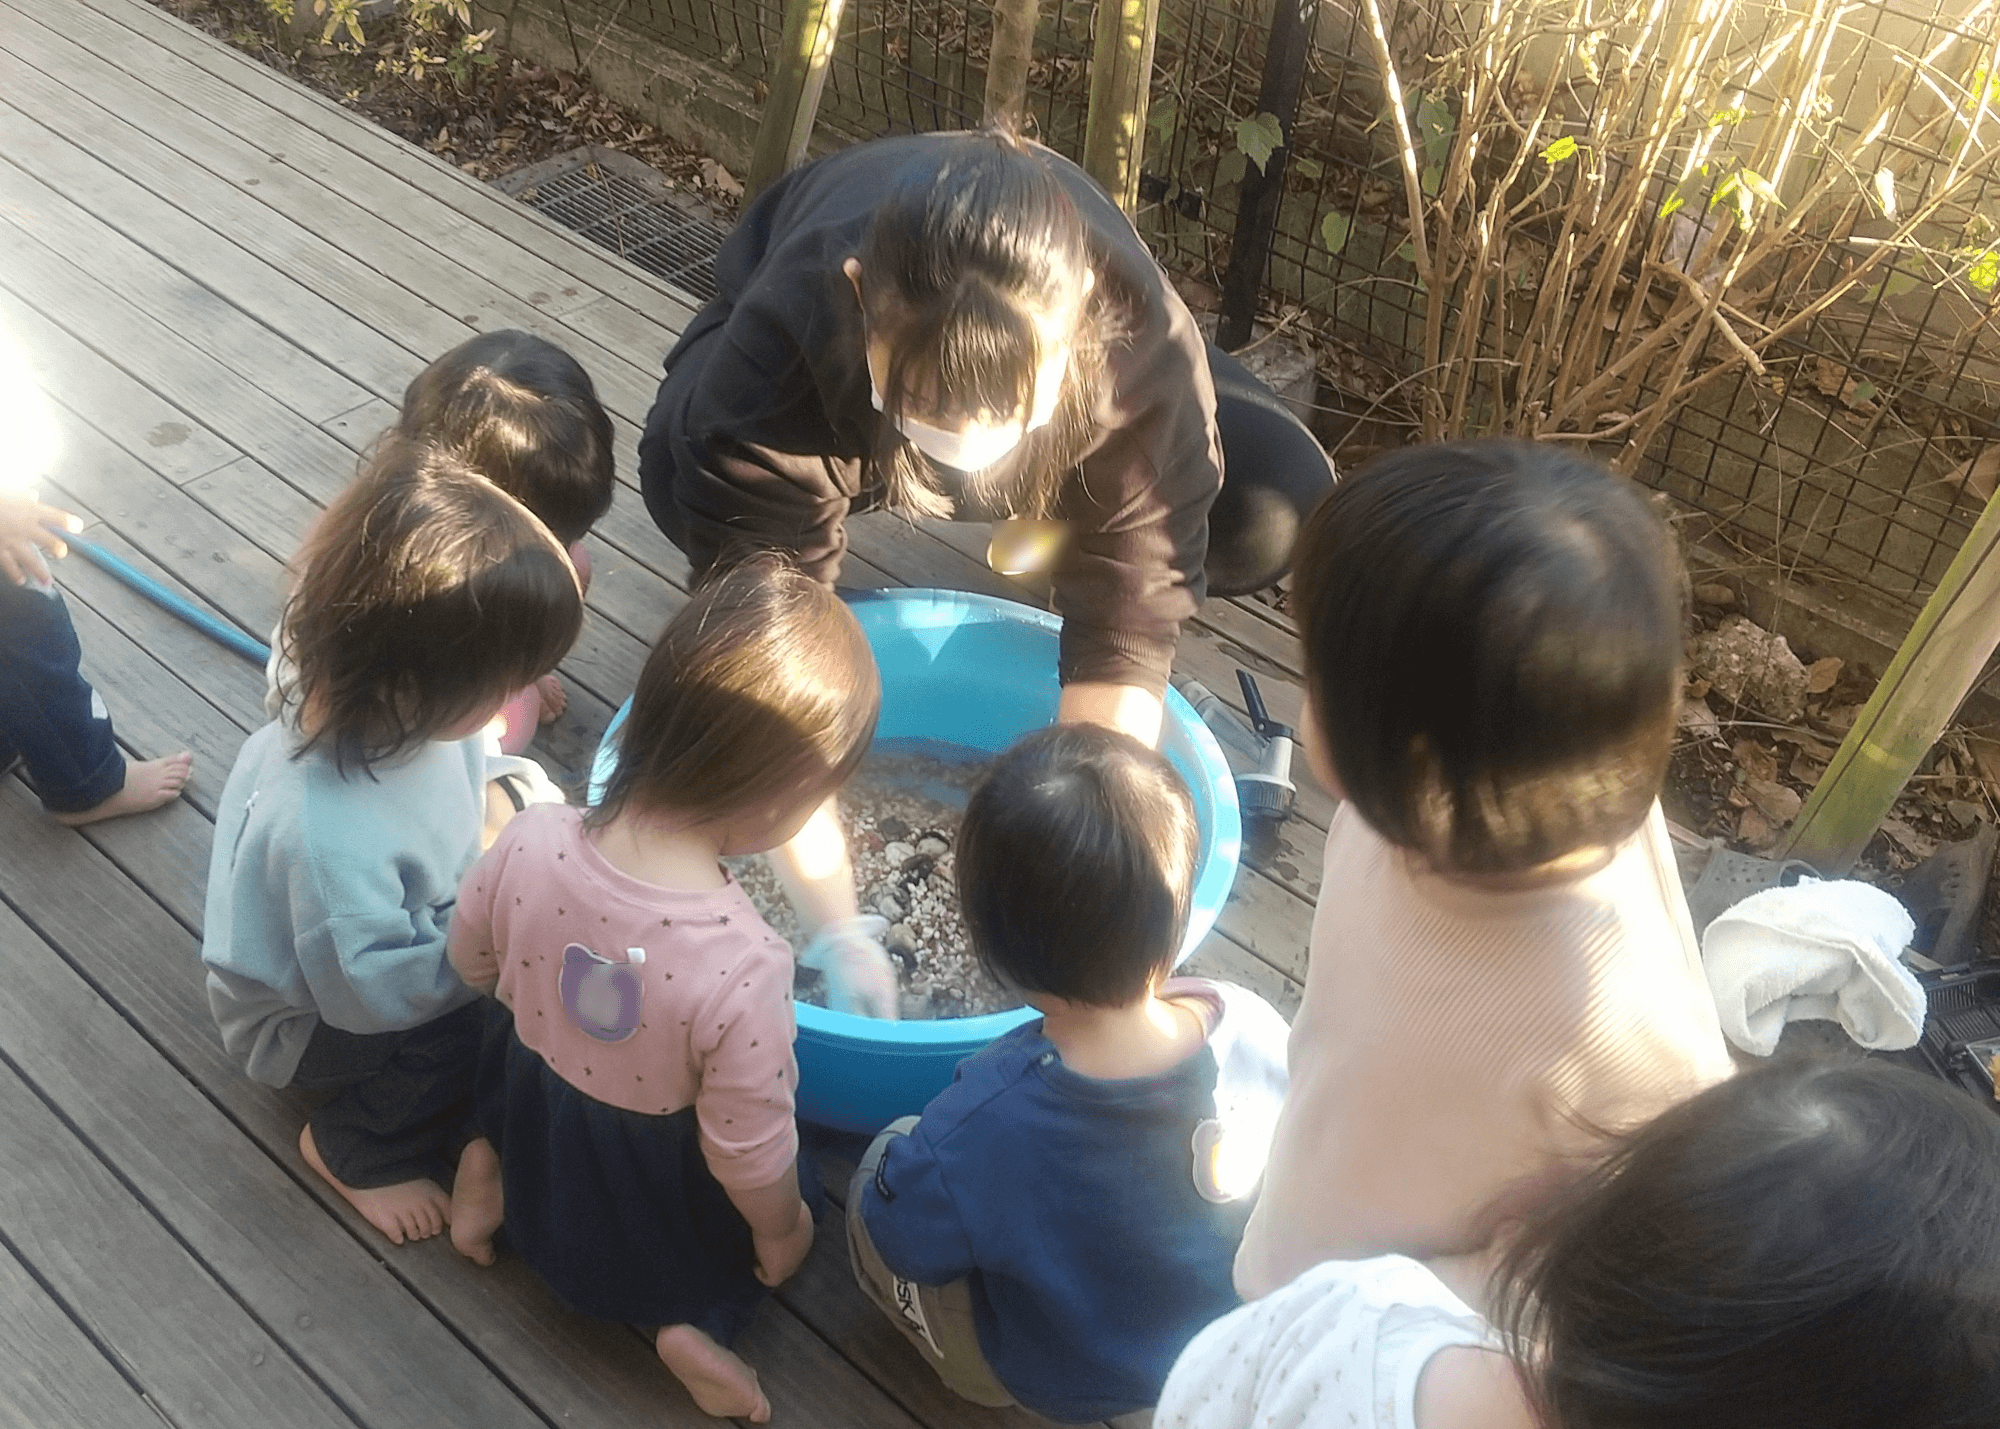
(328, 897)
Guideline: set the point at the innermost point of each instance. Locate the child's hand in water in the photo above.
(779, 1256)
(860, 978)
(24, 536)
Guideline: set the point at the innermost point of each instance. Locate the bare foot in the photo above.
(555, 699)
(720, 1383)
(478, 1204)
(408, 1210)
(147, 786)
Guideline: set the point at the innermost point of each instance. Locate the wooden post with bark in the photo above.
(1121, 72)
(798, 75)
(1007, 63)
(1934, 669)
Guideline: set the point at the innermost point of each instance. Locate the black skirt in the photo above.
(616, 1210)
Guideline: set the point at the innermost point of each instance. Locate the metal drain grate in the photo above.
(621, 204)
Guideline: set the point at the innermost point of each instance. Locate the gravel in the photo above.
(901, 812)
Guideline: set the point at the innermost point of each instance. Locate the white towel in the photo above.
(1825, 950)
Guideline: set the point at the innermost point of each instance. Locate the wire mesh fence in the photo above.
(1855, 443)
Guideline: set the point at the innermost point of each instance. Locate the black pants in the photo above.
(1274, 472)
(49, 716)
(402, 1101)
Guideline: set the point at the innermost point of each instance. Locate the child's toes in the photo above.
(555, 699)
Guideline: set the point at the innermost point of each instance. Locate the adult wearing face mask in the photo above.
(965, 326)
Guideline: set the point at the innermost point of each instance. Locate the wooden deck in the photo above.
(225, 281)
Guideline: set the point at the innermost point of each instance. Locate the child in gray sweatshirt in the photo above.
(426, 598)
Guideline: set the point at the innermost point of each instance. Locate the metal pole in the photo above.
(1121, 70)
(804, 50)
(1262, 191)
(1007, 62)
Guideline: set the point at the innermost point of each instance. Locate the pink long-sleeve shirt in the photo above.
(701, 1016)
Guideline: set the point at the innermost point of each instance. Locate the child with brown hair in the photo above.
(523, 414)
(1502, 962)
(636, 1083)
(427, 596)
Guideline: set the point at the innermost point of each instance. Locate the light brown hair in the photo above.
(425, 595)
(762, 688)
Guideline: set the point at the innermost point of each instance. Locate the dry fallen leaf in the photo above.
(1777, 802)
(1986, 754)
(1757, 761)
(1822, 675)
(1829, 377)
(1917, 845)
(1806, 769)
(1696, 688)
(1753, 829)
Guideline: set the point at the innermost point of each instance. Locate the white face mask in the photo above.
(978, 444)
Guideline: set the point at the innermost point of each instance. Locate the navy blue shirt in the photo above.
(1086, 1213)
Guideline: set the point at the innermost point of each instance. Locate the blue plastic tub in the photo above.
(970, 670)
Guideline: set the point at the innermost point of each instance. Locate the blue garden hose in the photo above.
(194, 615)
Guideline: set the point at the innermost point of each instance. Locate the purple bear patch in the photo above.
(602, 997)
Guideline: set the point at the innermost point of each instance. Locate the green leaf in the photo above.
(1736, 114)
(1434, 128)
(1408, 252)
(1672, 206)
(1760, 186)
(1431, 179)
(1229, 168)
(1336, 229)
(1307, 167)
(1257, 138)
(1563, 148)
(1984, 271)
(1897, 284)
(1164, 118)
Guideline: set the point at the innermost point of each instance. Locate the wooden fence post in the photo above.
(1121, 71)
(1933, 671)
(1007, 63)
(799, 75)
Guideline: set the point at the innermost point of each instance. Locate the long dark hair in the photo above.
(1810, 1245)
(761, 688)
(957, 262)
(1492, 635)
(524, 414)
(425, 594)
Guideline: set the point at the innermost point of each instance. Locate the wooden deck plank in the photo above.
(51, 1375)
(375, 1346)
(384, 174)
(305, 221)
(260, 286)
(232, 337)
(147, 349)
(574, 261)
(577, 1372)
(166, 437)
(111, 1262)
(222, 678)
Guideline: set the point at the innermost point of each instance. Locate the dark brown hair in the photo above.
(958, 261)
(1075, 865)
(425, 594)
(524, 413)
(761, 688)
(1809, 1245)
(1492, 636)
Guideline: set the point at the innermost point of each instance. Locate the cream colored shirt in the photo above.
(1456, 1042)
